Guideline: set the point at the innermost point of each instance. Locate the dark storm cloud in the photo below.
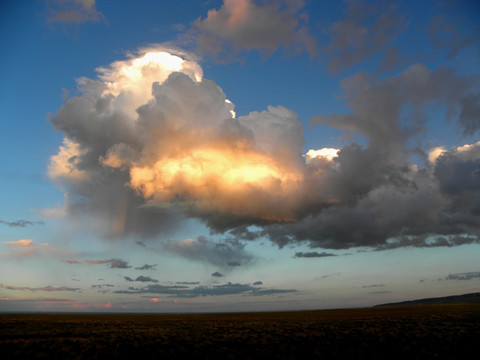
(20, 223)
(381, 200)
(312, 254)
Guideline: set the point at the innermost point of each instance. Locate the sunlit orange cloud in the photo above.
(239, 11)
(19, 243)
(92, 262)
(73, 261)
(220, 179)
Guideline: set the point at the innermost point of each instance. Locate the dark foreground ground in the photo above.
(410, 332)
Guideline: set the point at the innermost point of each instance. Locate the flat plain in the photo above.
(399, 332)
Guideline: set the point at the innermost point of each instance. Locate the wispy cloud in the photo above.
(366, 29)
(73, 11)
(229, 252)
(21, 223)
(215, 290)
(464, 276)
(146, 267)
(313, 254)
(141, 278)
(114, 263)
(44, 288)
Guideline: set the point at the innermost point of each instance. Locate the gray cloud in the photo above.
(73, 11)
(215, 290)
(454, 31)
(20, 223)
(229, 252)
(146, 267)
(145, 279)
(373, 285)
(217, 274)
(464, 276)
(313, 254)
(114, 263)
(246, 25)
(366, 29)
(141, 278)
(44, 288)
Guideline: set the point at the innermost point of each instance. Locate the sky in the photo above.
(237, 155)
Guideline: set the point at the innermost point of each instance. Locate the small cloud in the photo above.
(44, 288)
(464, 276)
(145, 279)
(72, 261)
(140, 243)
(312, 254)
(257, 283)
(217, 274)
(21, 223)
(146, 267)
(373, 285)
(19, 243)
(114, 263)
(73, 11)
(141, 278)
(228, 252)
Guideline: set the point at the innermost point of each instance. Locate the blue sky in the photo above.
(237, 155)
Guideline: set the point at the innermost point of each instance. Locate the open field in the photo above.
(413, 332)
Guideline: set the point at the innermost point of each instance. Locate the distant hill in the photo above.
(471, 298)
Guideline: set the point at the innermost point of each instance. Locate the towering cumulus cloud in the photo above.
(150, 142)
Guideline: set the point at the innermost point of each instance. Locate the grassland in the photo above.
(409, 332)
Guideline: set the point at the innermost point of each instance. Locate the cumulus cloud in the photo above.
(151, 143)
(217, 274)
(247, 25)
(73, 11)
